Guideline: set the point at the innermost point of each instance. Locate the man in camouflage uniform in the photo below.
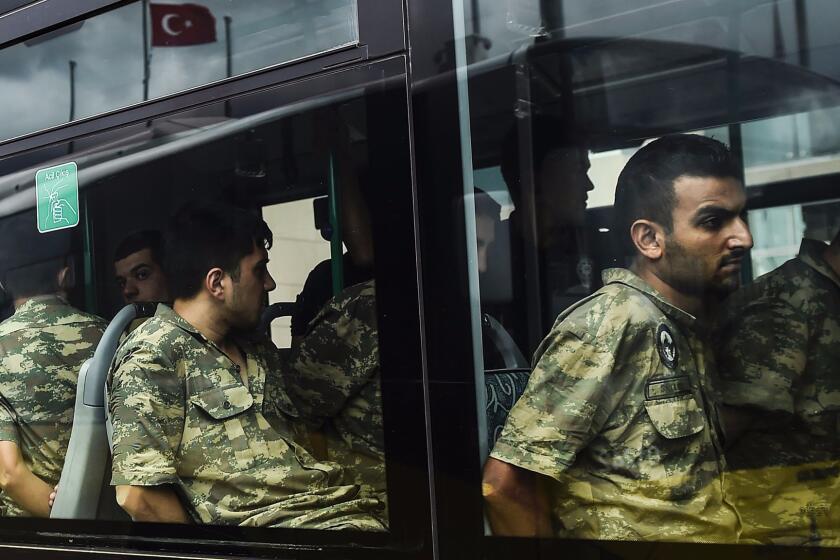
(332, 377)
(42, 348)
(194, 437)
(616, 435)
(780, 369)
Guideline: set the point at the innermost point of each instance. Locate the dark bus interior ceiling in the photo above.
(617, 90)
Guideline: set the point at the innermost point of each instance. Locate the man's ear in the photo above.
(213, 283)
(66, 279)
(648, 238)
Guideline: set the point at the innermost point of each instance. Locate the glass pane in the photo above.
(211, 421)
(97, 65)
(652, 229)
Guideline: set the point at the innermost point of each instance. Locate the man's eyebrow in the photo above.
(715, 210)
(137, 267)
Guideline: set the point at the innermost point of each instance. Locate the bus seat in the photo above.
(502, 387)
(275, 311)
(84, 490)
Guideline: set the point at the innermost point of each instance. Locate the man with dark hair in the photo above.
(618, 425)
(195, 438)
(42, 347)
(356, 234)
(548, 231)
(137, 267)
(779, 361)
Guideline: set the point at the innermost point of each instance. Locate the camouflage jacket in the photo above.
(183, 416)
(42, 348)
(779, 354)
(332, 377)
(620, 412)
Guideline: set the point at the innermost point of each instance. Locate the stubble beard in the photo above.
(686, 274)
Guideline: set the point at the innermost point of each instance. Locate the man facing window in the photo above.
(194, 437)
(616, 435)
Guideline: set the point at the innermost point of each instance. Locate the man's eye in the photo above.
(711, 223)
(142, 274)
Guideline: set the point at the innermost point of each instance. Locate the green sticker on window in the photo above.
(57, 189)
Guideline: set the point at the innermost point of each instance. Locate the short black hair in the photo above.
(645, 188)
(137, 241)
(32, 261)
(35, 279)
(547, 135)
(206, 235)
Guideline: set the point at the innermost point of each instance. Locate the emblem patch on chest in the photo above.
(667, 346)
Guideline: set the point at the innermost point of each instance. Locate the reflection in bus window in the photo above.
(212, 423)
(738, 353)
(158, 48)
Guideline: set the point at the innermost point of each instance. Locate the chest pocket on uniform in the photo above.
(672, 409)
(224, 402)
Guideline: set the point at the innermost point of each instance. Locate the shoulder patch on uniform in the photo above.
(667, 346)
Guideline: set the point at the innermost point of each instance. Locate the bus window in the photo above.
(666, 255)
(210, 215)
(60, 76)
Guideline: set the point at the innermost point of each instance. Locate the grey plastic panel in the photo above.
(84, 465)
(84, 479)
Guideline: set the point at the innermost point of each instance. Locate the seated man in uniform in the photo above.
(779, 361)
(333, 379)
(42, 348)
(138, 267)
(616, 434)
(194, 437)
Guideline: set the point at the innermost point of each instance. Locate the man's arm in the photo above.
(146, 398)
(515, 505)
(157, 504)
(17, 481)
(338, 356)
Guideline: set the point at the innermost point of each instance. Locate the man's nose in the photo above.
(741, 237)
(269, 284)
(129, 291)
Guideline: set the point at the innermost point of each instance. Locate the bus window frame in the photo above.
(454, 427)
(400, 344)
(381, 34)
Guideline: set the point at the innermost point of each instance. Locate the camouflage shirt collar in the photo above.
(628, 278)
(812, 253)
(55, 305)
(168, 314)
(45, 300)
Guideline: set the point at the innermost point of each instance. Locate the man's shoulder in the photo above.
(357, 302)
(156, 335)
(614, 309)
(12, 325)
(364, 292)
(61, 317)
(794, 286)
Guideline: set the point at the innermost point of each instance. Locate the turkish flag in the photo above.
(180, 25)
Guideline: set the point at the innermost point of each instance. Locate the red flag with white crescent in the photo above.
(181, 25)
